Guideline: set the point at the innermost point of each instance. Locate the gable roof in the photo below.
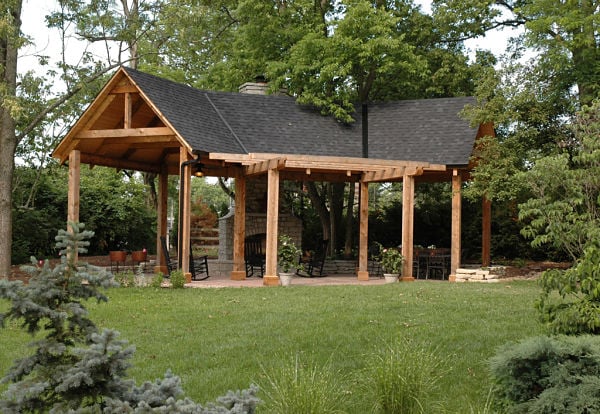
(428, 130)
(145, 123)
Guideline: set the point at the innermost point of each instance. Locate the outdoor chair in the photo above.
(198, 266)
(438, 266)
(374, 265)
(170, 262)
(254, 254)
(313, 265)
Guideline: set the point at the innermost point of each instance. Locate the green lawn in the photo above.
(220, 339)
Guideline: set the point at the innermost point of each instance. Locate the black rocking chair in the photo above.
(313, 265)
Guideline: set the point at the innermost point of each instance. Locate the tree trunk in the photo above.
(335, 195)
(318, 203)
(9, 45)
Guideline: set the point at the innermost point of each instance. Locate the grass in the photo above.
(220, 339)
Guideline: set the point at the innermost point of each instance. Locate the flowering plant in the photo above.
(391, 260)
(288, 254)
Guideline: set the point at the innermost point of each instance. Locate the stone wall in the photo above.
(256, 218)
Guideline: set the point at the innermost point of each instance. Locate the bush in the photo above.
(577, 311)
(74, 366)
(298, 388)
(403, 378)
(125, 279)
(177, 279)
(549, 375)
(157, 280)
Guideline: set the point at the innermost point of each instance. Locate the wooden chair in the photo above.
(171, 263)
(313, 265)
(198, 266)
(254, 254)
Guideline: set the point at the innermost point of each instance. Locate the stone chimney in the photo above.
(260, 86)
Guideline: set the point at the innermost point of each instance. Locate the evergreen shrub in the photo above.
(549, 375)
(75, 368)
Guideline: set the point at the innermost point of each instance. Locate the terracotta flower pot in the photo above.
(139, 256)
(117, 255)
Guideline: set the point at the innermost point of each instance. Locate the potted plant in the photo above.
(391, 263)
(287, 259)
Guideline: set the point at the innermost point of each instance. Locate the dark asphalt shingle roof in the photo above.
(413, 130)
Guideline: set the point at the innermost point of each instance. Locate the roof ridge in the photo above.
(239, 141)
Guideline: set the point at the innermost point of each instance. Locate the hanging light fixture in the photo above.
(198, 170)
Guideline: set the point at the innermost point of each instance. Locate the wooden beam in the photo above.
(262, 167)
(363, 236)
(239, 229)
(120, 164)
(73, 195)
(124, 89)
(384, 175)
(161, 219)
(185, 185)
(270, 278)
(455, 245)
(125, 133)
(318, 176)
(408, 211)
(153, 139)
(321, 161)
(127, 112)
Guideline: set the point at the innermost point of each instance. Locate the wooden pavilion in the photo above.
(146, 123)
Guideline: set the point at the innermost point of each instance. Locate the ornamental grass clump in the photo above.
(293, 386)
(391, 260)
(403, 378)
(288, 254)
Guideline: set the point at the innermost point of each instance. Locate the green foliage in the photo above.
(404, 377)
(577, 310)
(113, 205)
(549, 375)
(76, 368)
(125, 279)
(565, 209)
(296, 387)
(288, 254)
(391, 259)
(177, 279)
(157, 280)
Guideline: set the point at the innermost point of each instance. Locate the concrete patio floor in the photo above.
(218, 281)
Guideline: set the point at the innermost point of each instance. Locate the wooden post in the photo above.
(363, 241)
(161, 219)
(486, 232)
(184, 220)
(127, 114)
(455, 247)
(73, 195)
(239, 229)
(270, 277)
(408, 211)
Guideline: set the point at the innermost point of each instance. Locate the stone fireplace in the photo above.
(256, 218)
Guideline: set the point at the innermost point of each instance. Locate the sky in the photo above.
(48, 42)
